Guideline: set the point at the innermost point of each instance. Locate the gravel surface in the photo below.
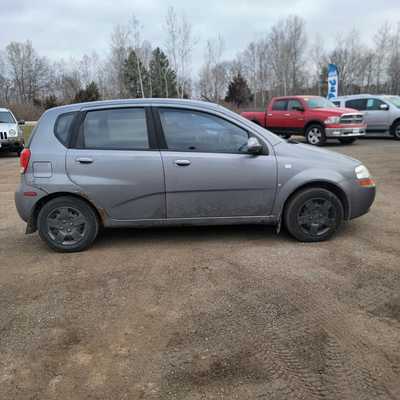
(206, 313)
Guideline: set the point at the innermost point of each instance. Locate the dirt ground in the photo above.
(206, 313)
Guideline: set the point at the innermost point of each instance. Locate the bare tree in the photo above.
(179, 43)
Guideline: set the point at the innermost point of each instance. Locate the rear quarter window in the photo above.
(62, 127)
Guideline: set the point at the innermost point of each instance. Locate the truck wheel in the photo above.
(315, 135)
(313, 215)
(396, 130)
(67, 224)
(347, 140)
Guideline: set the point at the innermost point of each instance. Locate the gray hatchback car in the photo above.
(153, 162)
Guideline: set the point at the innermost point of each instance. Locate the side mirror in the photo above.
(21, 122)
(384, 107)
(254, 146)
(298, 108)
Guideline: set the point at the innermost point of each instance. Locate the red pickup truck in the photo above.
(315, 117)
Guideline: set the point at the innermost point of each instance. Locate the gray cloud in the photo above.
(74, 27)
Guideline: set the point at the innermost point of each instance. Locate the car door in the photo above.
(116, 164)
(377, 114)
(295, 117)
(208, 173)
(277, 115)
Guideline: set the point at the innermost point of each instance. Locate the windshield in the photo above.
(318, 102)
(395, 100)
(6, 118)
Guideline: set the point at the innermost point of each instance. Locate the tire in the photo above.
(315, 135)
(396, 130)
(347, 140)
(67, 224)
(313, 215)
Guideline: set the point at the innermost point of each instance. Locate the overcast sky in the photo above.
(74, 27)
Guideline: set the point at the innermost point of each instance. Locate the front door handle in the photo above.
(287, 115)
(182, 163)
(84, 160)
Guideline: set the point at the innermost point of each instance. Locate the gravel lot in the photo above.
(206, 313)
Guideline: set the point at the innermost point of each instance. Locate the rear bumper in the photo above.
(343, 132)
(25, 204)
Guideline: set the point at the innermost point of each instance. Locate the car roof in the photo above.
(358, 96)
(4, 109)
(296, 97)
(144, 101)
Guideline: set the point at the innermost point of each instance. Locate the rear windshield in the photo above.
(6, 118)
(62, 127)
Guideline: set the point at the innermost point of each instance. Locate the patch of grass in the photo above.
(27, 131)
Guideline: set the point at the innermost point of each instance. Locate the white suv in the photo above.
(11, 135)
(381, 112)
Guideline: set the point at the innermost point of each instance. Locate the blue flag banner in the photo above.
(333, 81)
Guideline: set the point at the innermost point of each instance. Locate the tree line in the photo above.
(280, 62)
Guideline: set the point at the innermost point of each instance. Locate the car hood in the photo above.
(336, 111)
(307, 156)
(6, 127)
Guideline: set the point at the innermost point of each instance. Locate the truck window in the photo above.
(294, 105)
(358, 104)
(280, 105)
(336, 103)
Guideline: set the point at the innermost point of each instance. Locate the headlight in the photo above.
(12, 132)
(332, 120)
(364, 177)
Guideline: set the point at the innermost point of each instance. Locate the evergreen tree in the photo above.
(163, 77)
(90, 93)
(135, 76)
(238, 91)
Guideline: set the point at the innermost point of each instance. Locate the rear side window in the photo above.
(357, 104)
(117, 129)
(62, 127)
(280, 105)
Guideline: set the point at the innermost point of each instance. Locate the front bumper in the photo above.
(343, 132)
(360, 198)
(11, 143)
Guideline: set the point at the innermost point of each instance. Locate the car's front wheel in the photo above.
(313, 215)
(68, 224)
(315, 135)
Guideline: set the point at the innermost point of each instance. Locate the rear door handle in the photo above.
(182, 163)
(84, 160)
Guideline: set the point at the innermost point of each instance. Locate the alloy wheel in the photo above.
(314, 136)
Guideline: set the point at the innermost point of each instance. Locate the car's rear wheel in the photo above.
(313, 215)
(67, 224)
(315, 135)
(347, 140)
(396, 130)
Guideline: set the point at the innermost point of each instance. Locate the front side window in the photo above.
(119, 129)
(280, 105)
(374, 104)
(187, 130)
(357, 104)
(294, 105)
(6, 118)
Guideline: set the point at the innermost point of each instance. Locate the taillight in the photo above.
(24, 160)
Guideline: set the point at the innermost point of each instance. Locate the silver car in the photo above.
(11, 137)
(153, 162)
(381, 112)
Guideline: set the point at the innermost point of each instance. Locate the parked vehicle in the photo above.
(315, 117)
(381, 112)
(11, 137)
(154, 162)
